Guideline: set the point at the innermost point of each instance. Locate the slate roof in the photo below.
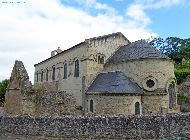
(136, 50)
(114, 82)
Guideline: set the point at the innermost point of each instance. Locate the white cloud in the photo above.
(157, 4)
(137, 10)
(31, 30)
(137, 14)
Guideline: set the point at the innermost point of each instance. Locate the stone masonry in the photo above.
(18, 87)
(170, 126)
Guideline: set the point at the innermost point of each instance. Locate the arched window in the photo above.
(53, 73)
(37, 76)
(65, 71)
(100, 59)
(76, 72)
(42, 74)
(137, 108)
(91, 106)
(171, 92)
(47, 74)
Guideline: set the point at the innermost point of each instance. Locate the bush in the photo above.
(181, 99)
(181, 75)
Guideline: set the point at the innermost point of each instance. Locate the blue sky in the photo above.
(31, 29)
(166, 21)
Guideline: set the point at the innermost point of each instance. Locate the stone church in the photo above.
(110, 75)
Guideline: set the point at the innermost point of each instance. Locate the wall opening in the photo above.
(91, 106)
(137, 108)
(100, 59)
(53, 73)
(150, 83)
(65, 71)
(47, 74)
(76, 72)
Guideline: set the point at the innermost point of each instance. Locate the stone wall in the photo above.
(170, 126)
(160, 71)
(45, 104)
(113, 104)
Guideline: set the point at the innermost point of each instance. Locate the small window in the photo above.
(137, 108)
(37, 76)
(47, 74)
(53, 73)
(42, 74)
(65, 72)
(150, 83)
(91, 106)
(76, 72)
(100, 59)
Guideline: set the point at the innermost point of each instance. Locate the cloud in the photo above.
(157, 4)
(137, 14)
(137, 10)
(31, 30)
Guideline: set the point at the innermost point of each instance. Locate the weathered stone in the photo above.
(170, 126)
(18, 87)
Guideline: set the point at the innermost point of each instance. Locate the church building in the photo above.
(109, 75)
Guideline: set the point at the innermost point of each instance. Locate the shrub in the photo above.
(181, 75)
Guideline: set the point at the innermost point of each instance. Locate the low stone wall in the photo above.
(132, 127)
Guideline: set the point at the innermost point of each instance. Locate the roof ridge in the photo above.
(103, 36)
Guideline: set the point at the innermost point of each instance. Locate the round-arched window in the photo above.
(137, 108)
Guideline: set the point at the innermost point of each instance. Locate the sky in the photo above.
(31, 29)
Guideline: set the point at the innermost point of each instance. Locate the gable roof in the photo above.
(113, 82)
(136, 50)
(82, 44)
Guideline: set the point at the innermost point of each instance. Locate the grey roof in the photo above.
(136, 50)
(113, 82)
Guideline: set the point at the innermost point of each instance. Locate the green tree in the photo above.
(174, 47)
(3, 87)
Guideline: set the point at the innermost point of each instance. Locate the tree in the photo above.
(3, 87)
(174, 47)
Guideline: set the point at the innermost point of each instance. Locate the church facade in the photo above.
(110, 75)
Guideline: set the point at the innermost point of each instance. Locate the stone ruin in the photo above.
(18, 86)
(22, 99)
